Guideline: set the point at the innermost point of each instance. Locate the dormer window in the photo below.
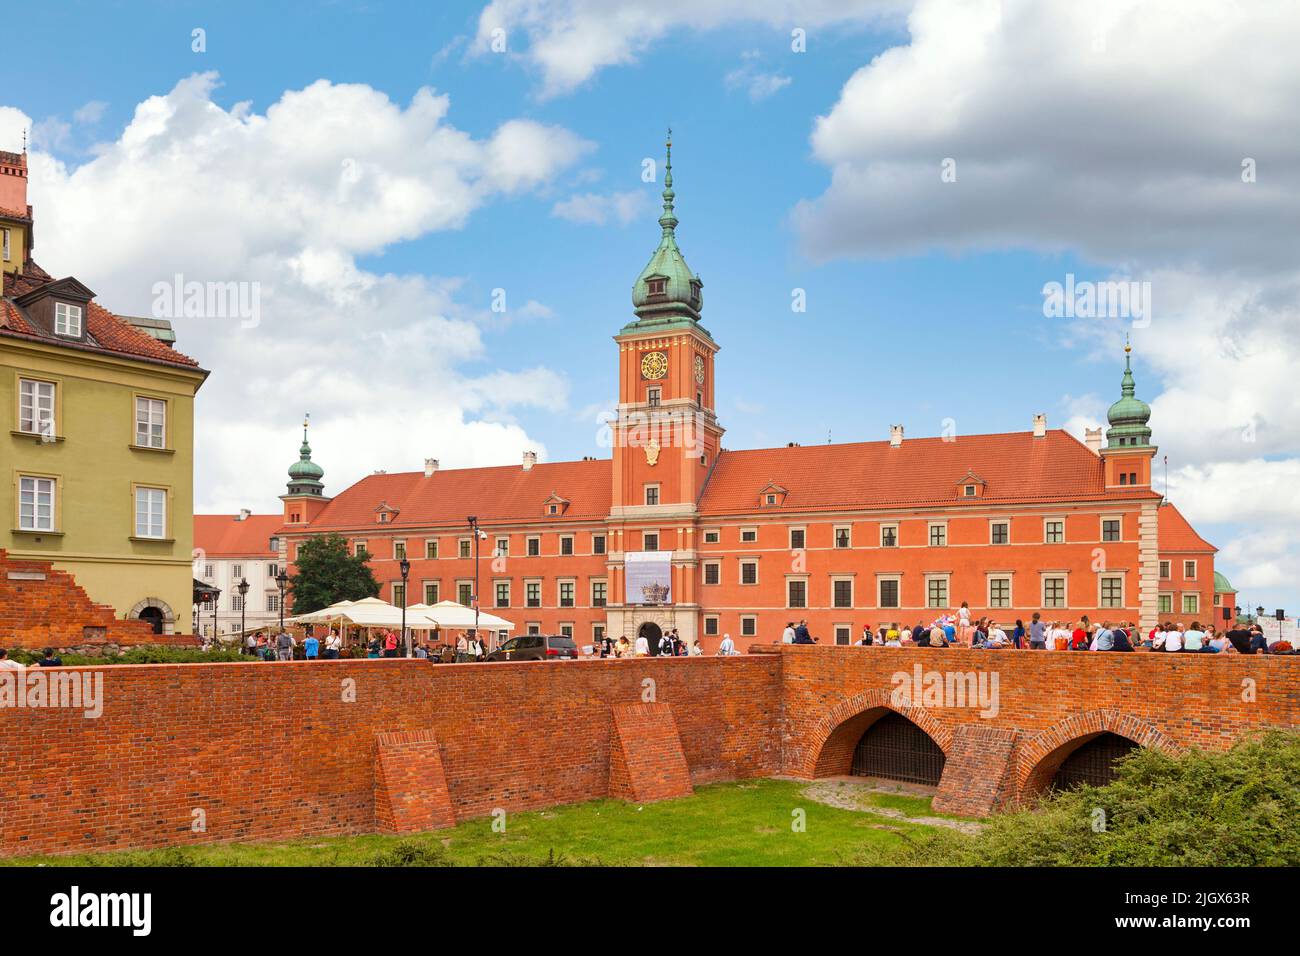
(695, 293)
(657, 286)
(969, 491)
(67, 319)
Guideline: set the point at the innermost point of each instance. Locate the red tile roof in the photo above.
(1016, 466)
(496, 495)
(25, 215)
(1177, 534)
(106, 332)
(222, 536)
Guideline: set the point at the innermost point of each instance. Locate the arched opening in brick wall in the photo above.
(1084, 748)
(1092, 762)
(835, 755)
(896, 749)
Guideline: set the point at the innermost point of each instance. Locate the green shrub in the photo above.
(136, 655)
(410, 853)
(1239, 807)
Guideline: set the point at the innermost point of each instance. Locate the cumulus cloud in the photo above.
(286, 201)
(758, 83)
(569, 41)
(1153, 141)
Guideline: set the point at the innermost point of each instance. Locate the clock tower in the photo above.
(666, 436)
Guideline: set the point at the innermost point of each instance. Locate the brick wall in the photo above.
(274, 750)
(41, 606)
(219, 752)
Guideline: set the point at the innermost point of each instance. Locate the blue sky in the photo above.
(923, 305)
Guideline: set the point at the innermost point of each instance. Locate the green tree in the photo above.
(327, 574)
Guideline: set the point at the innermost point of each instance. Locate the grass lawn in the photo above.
(729, 824)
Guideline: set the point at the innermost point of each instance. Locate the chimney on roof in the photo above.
(13, 181)
(1092, 438)
(243, 514)
(430, 466)
(530, 459)
(895, 435)
(1040, 425)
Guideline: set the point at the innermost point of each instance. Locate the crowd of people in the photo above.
(960, 629)
(670, 644)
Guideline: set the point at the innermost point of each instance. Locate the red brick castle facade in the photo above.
(739, 542)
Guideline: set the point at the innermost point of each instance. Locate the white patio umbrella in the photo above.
(324, 615)
(449, 614)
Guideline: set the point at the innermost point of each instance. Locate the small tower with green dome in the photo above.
(1128, 452)
(305, 496)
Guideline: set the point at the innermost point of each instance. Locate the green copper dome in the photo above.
(1222, 585)
(304, 474)
(667, 292)
(1128, 417)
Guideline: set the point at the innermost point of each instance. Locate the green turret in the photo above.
(304, 474)
(1128, 417)
(667, 294)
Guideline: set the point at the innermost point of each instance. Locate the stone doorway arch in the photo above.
(157, 613)
(651, 632)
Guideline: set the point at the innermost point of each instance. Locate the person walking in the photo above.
(311, 647)
(284, 646)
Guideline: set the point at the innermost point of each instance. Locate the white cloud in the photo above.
(1115, 130)
(569, 41)
(90, 113)
(757, 83)
(599, 208)
(288, 199)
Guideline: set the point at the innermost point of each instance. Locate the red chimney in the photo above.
(13, 183)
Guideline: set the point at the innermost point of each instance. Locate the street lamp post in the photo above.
(282, 579)
(477, 533)
(405, 568)
(242, 588)
(216, 599)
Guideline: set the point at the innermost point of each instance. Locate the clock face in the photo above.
(654, 366)
(699, 370)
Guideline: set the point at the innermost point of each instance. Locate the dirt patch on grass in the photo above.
(851, 795)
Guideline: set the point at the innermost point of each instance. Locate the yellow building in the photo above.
(97, 468)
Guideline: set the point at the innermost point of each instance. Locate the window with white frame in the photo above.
(273, 602)
(67, 319)
(652, 494)
(399, 594)
(1191, 603)
(936, 591)
(236, 571)
(889, 536)
(1110, 529)
(711, 625)
(502, 593)
(1189, 570)
(843, 536)
(360, 550)
(502, 549)
(650, 541)
(1165, 571)
(599, 593)
(465, 547)
(938, 534)
(431, 592)
(796, 590)
(566, 544)
(534, 545)
(4, 238)
(888, 591)
(35, 503)
(1165, 603)
(748, 625)
(1053, 531)
(1053, 591)
(399, 550)
(1112, 591)
(748, 535)
(843, 634)
(999, 532)
(748, 572)
(999, 591)
(712, 572)
(597, 544)
(712, 536)
(150, 512)
(566, 593)
(533, 593)
(150, 422)
(465, 593)
(798, 538)
(430, 548)
(35, 407)
(841, 592)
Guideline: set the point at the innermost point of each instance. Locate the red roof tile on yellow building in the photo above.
(229, 536)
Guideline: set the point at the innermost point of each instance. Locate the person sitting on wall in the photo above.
(728, 647)
(801, 633)
(50, 659)
(921, 636)
(997, 637)
(7, 664)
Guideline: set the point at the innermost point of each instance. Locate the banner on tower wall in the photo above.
(648, 577)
